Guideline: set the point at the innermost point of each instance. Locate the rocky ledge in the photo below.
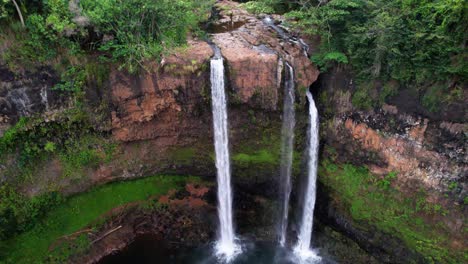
(162, 102)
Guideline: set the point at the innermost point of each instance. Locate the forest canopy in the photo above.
(417, 44)
(127, 32)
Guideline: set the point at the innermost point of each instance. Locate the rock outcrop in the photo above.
(424, 152)
(161, 102)
(427, 157)
(256, 54)
(25, 94)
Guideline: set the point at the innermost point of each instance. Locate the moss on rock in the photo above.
(372, 201)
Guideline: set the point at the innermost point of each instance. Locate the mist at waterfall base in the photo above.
(149, 249)
(228, 248)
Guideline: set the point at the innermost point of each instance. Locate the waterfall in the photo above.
(226, 246)
(44, 99)
(283, 32)
(21, 101)
(287, 141)
(302, 249)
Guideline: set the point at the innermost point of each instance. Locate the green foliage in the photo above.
(49, 146)
(87, 151)
(361, 97)
(259, 157)
(452, 186)
(59, 18)
(388, 90)
(72, 80)
(81, 211)
(386, 182)
(19, 213)
(372, 201)
(45, 36)
(129, 32)
(33, 138)
(5, 9)
(143, 29)
(326, 60)
(259, 7)
(70, 138)
(68, 248)
(436, 95)
(417, 43)
(269, 6)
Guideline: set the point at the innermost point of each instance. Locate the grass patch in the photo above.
(70, 137)
(79, 211)
(260, 149)
(184, 156)
(259, 157)
(372, 200)
(260, 152)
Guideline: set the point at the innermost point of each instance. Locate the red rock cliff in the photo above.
(160, 102)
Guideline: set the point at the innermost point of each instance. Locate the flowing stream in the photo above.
(302, 248)
(287, 141)
(226, 246)
(283, 32)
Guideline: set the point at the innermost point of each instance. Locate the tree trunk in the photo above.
(19, 12)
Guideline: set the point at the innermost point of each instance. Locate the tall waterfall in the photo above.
(287, 141)
(305, 232)
(225, 246)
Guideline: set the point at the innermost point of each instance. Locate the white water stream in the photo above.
(287, 144)
(226, 246)
(302, 248)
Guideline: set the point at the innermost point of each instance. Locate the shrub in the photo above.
(420, 44)
(361, 97)
(139, 30)
(19, 213)
(326, 60)
(127, 32)
(269, 6)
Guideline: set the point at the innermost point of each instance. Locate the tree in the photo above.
(18, 10)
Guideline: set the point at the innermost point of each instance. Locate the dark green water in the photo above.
(146, 249)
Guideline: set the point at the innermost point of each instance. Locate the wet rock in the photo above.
(165, 100)
(162, 102)
(27, 93)
(426, 153)
(254, 53)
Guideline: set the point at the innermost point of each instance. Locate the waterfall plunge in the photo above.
(287, 141)
(226, 246)
(302, 249)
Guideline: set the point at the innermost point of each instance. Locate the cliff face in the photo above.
(26, 93)
(164, 101)
(161, 118)
(169, 106)
(161, 123)
(425, 152)
(418, 158)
